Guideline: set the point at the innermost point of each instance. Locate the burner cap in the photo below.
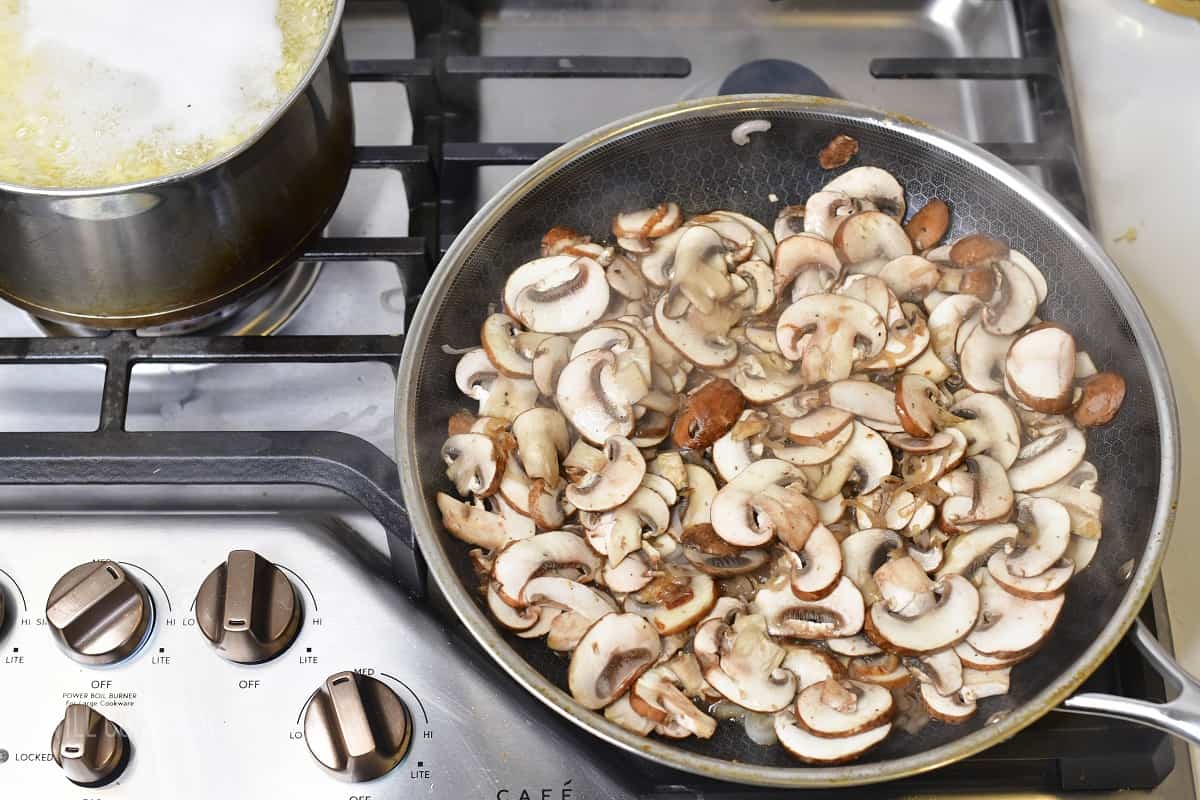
(775, 76)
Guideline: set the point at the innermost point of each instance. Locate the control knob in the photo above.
(91, 750)
(248, 609)
(99, 613)
(356, 727)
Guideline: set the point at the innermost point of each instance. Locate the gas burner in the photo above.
(260, 314)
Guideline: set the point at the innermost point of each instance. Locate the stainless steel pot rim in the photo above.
(335, 21)
(1139, 585)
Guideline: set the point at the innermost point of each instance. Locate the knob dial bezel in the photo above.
(100, 614)
(357, 728)
(91, 749)
(248, 609)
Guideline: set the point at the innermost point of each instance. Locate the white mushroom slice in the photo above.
(1047, 459)
(944, 323)
(633, 245)
(622, 713)
(673, 602)
(904, 588)
(744, 664)
(622, 474)
(658, 264)
(837, 615)
(919, 406)
(662, 487)
(735, 451)
(670, 466)
(727, 563)
(809, 455)
(978, 683)
(981, 360)
(553, 553)
(874, 405)
(871, 236)
(1081, 551)
(822, 750)
(545, 620)
(619, 532)
(1040, 368)
(910, 277)
(972, 659)
(631, 574)
(516, 619)
(991, 427)
(647, 223)
(743, 237)
(810, 665)
(928, 365)
(1043, 586)
(1045, 532)
(587, 396)
(990, 498)
(970, 552)
(657, 696)
(624, 340)
(789, 222)
(701, 273)
(877, 185)
(702, 489)
(613, 654)
(908, 338)
(863, 462)
(942, 626)
(863, 553)
(943, 670)
(1031, 271)
(929, 558)
(542, 439)
(549, 358)
(918, 444)
(819, 426)
(473, 523)
(687, 333)
(838, 708)
(828, 334)
(1014, 301)
(545, 505)
(475, 373)
(765, 377)
(570, 596)
(499, 336)
(804, 265)
(879, 668)
(557, 294)
(1009, 625)
(919, 468)
(751, 509)
(508, 398)
(764, 240)
(853, 646)
(760, 282)
(473, 463)
(815, 570)
(953, 709)
(626, 279)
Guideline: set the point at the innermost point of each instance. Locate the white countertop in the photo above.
(1135, 72)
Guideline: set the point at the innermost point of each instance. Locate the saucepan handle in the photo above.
(1180, 716)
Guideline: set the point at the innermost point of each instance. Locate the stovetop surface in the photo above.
(198, 731)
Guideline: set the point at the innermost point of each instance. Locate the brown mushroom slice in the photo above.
(927, 226)
(918, 468)
(811, 455)
(545, 620)
(573, 597)
(647, 223)
(945, 321)
(877, 185)
(555, 552)
(990, 425)
(976, 248)
(702, 489)
(499, 339)
(810, 665)
(613, 654)
(908, 338)
(1010, 625)
(969, 552)
(701, 273)
(828, 333)
(837, 708)
(955, 708)
(708, 413)
(749, 510)
(656, 695)
(942, 626)
(475, 373)
(557, 294)
(920, 444)
(825, 211)
(865, 551)
(1047, 459)
(726, 565)
(815, 570)
(919, 406)
(1045, 532)
(587, 396)
(475, 524)
(862, 463)
(673, 602)
(622, 712)
(1100, 399)
(819, 426)
(805, 264)
(742, 663)
(904, 588)
(979, 684)
(972, 659)
(837, 615)
(516, 619)
(1040, 368)
(822, 750)
(880, 668)
(549, 358)
(982, 359)
(1013, 302)
(853, 646)
(991, 495)
(871, 236)
(1043, 586)
(942, 670)
(632, 573)
(910, 277)
(622, 474)
(874, 405)
(542, 439)
(473, 463)
(686, 332)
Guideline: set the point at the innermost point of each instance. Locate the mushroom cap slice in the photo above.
(549, 358)
(806, 264)
(1014, 301)
(990, 425)
(944, 625)
(981, 360)
(955, 708)
(516, 619)
(814, 571)
(557, 294)
(508, 398)
(874, 405)
(837, 615)
(657, 695)
(749, 510)
(871, 236)
(853, 646)
(837, 708)
(978, 683)
(1009, 625)
(474, 524)
(475, 373)
(910, 277)
(943, 670)
(742, 663)
(969, 552)
(708, 413)
(647, 223)
(688, 334)
(701, 272)
(945, 320)
(658, 264)
(630, 574)
(554, 552)
(590, 400)
(864, 461)
(828, 333)
(1032, 272)
(972, 659)
(863, 553)
(474, 463)
(622, 712)
(542, 439)
(622, 475)
(822, 750)
(1045, 532)
(788, 222)
(568, 595)
(1040, 368)
(1043, 586)
(810, 665)
(877, 185)
(904, 588)
(765, 377)
(673, 602)
(1047, 459)
(819, 425)
(991, 496)
(613, 654)
(881, 668)
(619, 531)
(760, 286)
(803, 455)
(918, 405)
(500, 336)
(702, 489)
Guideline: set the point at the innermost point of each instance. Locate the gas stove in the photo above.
(151, 481)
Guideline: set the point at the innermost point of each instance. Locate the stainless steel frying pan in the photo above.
(684, 153)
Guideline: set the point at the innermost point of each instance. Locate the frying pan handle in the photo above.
(1180, 716)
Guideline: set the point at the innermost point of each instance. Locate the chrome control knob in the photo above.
(248, 609)
(91, 750)
(99, 613)
(356, 727)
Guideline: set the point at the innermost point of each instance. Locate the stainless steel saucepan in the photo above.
(143, 254)
(684, 153)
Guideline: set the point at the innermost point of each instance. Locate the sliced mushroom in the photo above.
(473, 463)
(1081, 551)
(708, 414)
(765, 377)
(917, 468)
(945, 320)
(647, 223)
(979, 684)
(982, 359)
(927, 227)
(910, 277)
(674, 602)
(475, 524)
(613, 654)
(1047, 459)
(944, 625)
(549, 358)
(622, 474)
(928, 365)
(742, 663)
(557, 294)
(871, 236)
(554, 553)
(828, 334)
(819, 425)
(814, 570)
(1043, 586)
(759, 295)
(815, 454)
(805, 264)
(877, 185)
(500, 338)
(908, 338)
(863, 553)
(631, 574)
(589, 396)
(622, 712)
(1045, 532)
(1076, 493)
(823, 750)
(625, 340)
(1101, 399)
(837, 707)
(542, 439)
(990, 498)
(657, 696)
(741, 232)
(756, 506)
(701, 273)
(954, 708)
(942, 670)
(880, 668)
(919, 406)
(991, 427)
(976, 248)
(853, 646)
(702, 489)
(810, 665)
(862, 463)
(693, 336)
(970, 552)
(837, 615)
(788, 222)
(825, 211)
(904, 588)
(475, 373)
(1013, 301)
(522, 619)
(874, 405)
(579, 605)
(619, 532)
(1009, 625)
(1040, 368)
(741, 445)
(972, 659)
